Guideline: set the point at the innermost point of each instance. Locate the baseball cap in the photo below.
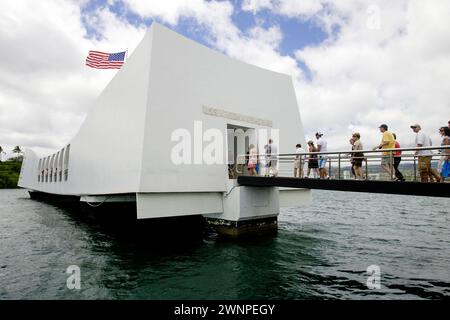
(383, 126)
(416, 126)
(319, 133)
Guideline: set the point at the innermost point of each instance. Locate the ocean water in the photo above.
(321, 251)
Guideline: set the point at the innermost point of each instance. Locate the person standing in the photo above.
(322, 147)
(312, 160)
(267, 151)
(387, 142)
(299, 161)
(424, 156)
(397, 159)
(271, 158)
(358, 156)
(445, 153)
(352, 141)
(252, 160)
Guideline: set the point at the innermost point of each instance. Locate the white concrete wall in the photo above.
(124, 145)
(171, 204)
(186, 76)
(106, 154)
(290, 197)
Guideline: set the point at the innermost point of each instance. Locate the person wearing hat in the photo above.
(322, 147)
(387, 142)
(424, 156)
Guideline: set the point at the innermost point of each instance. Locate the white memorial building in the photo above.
(166, 132)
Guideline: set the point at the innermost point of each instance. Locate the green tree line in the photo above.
(10, 169)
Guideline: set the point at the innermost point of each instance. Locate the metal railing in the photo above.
(339, 162)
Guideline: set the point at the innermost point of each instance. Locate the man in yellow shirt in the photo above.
(387, 142)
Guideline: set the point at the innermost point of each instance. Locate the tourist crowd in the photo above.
(316, 157)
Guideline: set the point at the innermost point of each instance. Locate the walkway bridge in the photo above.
(374, 180)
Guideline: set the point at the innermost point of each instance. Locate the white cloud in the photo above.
(44, 100)
(256, 5)
(299, 7)
(171, 11)
(257, 46)
(397, 74)
(290, 8)
(393, 70)
(387, 62)
(45, 88)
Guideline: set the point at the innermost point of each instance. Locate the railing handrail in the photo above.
(350, 151)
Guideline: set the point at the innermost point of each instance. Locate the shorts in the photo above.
(357, 159)
(322, 162)
(297, 164)
(357, 162)
(424, 165)
(313, 164)
(386, 160)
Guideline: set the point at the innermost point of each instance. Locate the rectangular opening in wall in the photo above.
(47, 163)
(60, 165)
(57, 167)
(66, 163)
(52, 161)
(239, 139)
(39, 170)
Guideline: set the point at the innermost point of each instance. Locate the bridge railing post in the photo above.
(391, 165)
(415, 169)
(329, 167)
(367, 169)
(339, 166)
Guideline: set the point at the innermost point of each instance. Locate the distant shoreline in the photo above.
(9, 174)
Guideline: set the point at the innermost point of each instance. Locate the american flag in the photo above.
(103, 60)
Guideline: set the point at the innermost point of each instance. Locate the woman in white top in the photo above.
(252, 160)
(357, 157)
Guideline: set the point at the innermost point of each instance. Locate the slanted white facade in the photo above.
(171, 85)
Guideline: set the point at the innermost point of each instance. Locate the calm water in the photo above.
(321, 251)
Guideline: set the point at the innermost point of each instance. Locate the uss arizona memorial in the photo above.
(170, 85)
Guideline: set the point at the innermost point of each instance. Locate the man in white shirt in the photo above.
(322, 147)
(424, 156)
(299, 161)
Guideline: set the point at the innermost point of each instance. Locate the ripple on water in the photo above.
(322, 250)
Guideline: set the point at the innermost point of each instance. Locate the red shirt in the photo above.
(397, 153)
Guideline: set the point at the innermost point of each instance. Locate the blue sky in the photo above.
(298, 32)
